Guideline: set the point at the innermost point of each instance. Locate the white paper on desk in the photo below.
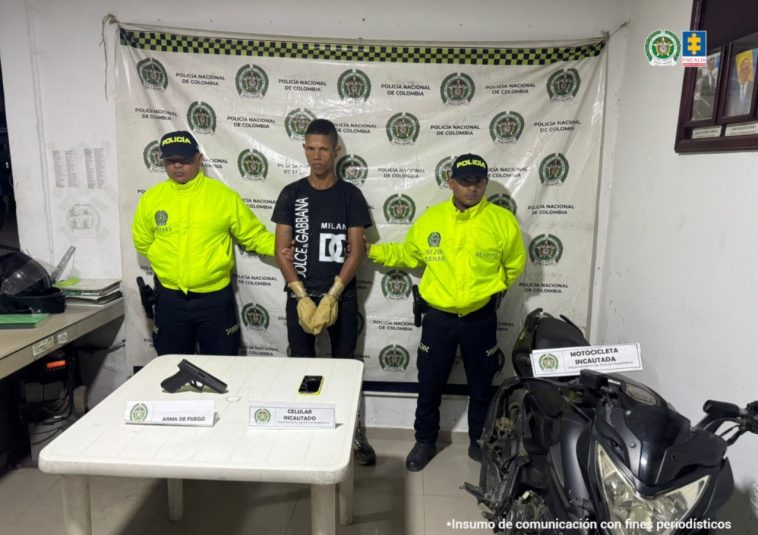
(178, 412)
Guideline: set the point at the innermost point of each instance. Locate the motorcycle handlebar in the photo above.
(718, 412)
(750, 413)
(721, 409)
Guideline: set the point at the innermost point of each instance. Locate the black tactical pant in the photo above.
(442, 333)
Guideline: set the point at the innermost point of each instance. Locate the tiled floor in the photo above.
(388, 500)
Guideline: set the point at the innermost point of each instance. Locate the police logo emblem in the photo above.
(443, 170)
(504, 201)
(548, 362)
(563, 84)
(262, 416)
(457, 88)
(394, 358)
(434, 239)
(201, 118)
(161, 218)
(252, 165)
(403, 129)
(297, 122)
(352, 168)
(252, 81)
(399, 209)
(662, 47)
(152, 157)
(354, 85)
(506, 127)
(554, 169)
(83, 218)
(152, 74)
(396, 285)
(138, 413)
(545, 250)
(255, 317)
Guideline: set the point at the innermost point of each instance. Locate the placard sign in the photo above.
(278, 415)
(571, 360)
(181, 412)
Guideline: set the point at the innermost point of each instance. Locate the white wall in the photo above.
(678, 273)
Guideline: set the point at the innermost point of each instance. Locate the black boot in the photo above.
(420, 456)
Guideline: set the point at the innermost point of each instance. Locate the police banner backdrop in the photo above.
(404, 112)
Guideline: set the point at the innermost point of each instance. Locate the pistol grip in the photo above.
(174, 383)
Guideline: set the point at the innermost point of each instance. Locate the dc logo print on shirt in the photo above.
(332, 247)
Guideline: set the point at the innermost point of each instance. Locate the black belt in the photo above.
(189, 295)
(489, 308)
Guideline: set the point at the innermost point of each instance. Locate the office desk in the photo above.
(101, 443)
(19, 347)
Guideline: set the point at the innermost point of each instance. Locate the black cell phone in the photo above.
(311, 384)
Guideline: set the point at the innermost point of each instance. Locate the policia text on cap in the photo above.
(472, 251)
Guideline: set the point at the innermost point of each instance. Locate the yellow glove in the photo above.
(305, 307)
(328, 308)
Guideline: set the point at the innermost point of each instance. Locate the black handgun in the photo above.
(419, 306)
(197, 378)
(147, 296)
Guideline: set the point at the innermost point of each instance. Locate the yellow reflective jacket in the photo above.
(185, 231)
(469, 256)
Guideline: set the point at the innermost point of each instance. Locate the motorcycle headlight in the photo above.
(634, 514)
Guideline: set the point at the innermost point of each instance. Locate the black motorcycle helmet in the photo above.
(25, 287)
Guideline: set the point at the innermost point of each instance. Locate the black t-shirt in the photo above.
(320, 219)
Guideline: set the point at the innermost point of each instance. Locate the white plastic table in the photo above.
(102, 444)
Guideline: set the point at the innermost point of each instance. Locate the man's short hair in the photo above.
(323, 127)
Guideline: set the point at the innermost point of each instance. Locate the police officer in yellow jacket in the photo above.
(472, 251)
(184, 226)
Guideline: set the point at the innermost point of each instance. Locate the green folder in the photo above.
(21, 321)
